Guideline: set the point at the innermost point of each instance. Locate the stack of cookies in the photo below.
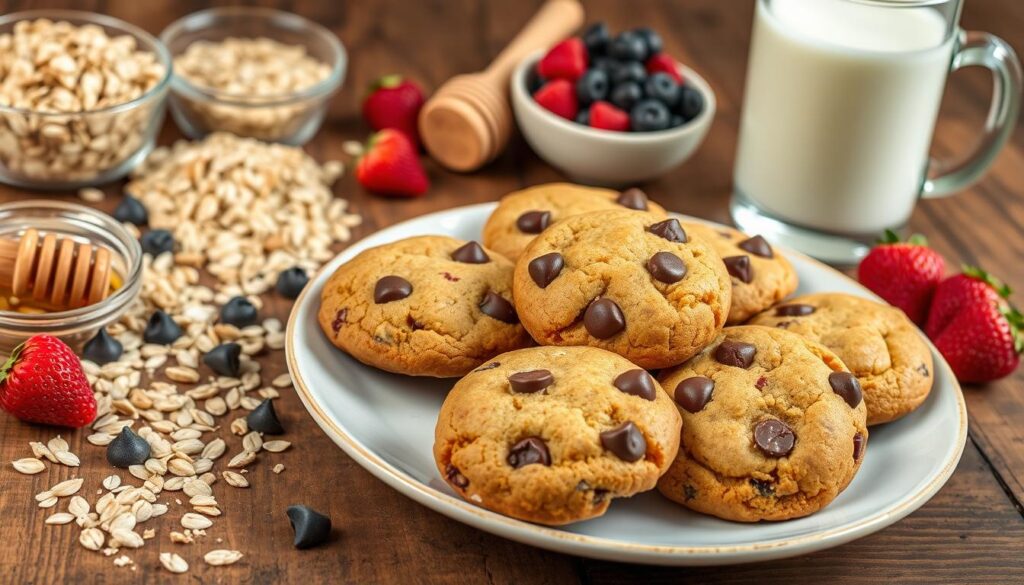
(558, 325)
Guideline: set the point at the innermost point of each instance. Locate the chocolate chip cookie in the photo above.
(628, 282)
(877, 342)
(553, 434)
(760, 276)
(522, 215)
(423, 306)
(773, 427)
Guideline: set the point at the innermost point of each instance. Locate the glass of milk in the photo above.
(841, 101)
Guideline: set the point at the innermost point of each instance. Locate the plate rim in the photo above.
(552, 538)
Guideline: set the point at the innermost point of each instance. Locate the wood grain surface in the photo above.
(971, 532)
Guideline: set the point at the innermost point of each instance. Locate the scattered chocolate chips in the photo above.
(494, 305)
(391, 288)
(638, 383)
(774, 437)
(263, 418)
(633, 199)
(127, 449)
(794, 310)
(132, 211)
(240, 312)
(694, 393)
(102, 348)
(735, 353)
(666, 267)
(471, 253)
(625, 441)
(339, 320)
(533, 222)
(311, 527)
(670, 229)
(156, 242)
(603, 319)
(858, 446)
(757, 245)
(847, 386)
(529, 451)
(739, 267)
(544, 269)
(531, 381)
(764, 488)
(291, 281)
(161, 329)
(489, 366)
(223, 359)
(689, 492)
(455, 476)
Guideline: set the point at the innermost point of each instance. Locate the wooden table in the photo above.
(971, 532)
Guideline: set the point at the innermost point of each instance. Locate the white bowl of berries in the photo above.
(611, 110)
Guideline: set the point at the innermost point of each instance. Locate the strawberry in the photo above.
(391, 166)
(605, 116)
(43, 382)
(662, 63)
(394, 102)
(905, 274)
(566, 60)
(559, 96)
(974, 327)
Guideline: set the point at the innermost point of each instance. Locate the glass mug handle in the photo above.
(993, 53)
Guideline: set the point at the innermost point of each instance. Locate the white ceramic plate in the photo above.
(386, 423)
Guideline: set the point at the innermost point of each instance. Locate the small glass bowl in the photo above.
(82, 224)
(290, 118)
(56, 151)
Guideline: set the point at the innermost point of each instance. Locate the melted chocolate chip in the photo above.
(529, 451)
(600, 495)
(531, 381)
(774, 437)
(494, 305)
(694, 393)
(489, 366)
(546, 268)
(670, 229)
(757, 245)
(625, 441)
(666, 267)
(638, 383)
(450, 277)
(471, 253)
(739, 267)
(455, 476)
(633, 198)
(794, 310)
(847, 386)
(603, 319)
(764, 488)
(735, 353)
(533, 222)
(391, 288)
(858, 446)
(689, 492)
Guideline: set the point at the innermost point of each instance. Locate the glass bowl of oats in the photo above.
(253, 72)
(81, 98)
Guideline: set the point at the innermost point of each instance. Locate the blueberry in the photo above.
(676, 121)
(662, 87)
(131, 210)
(626, 95)
(534, 81)
(629, 71)
(239, 311)
(691, 102)
(291, 282)
(102, 349)
(592, 86)
(583, 117)
(156, 242)
(652, 40)
(628, 46)
(223, 359)
(161, 329)
(263, 418)
(127, 449)
(311, 527)
(649, 115)
(605, 64)
(596, 38)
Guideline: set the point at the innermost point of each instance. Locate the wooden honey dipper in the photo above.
(468, 121)
(56, 271)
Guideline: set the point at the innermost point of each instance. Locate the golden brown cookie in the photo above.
(424, 306)
(553, 434)
(522, 215)
(773, 427)
(877, 342)
(760, 276)
(623, 281)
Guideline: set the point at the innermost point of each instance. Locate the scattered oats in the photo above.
(180, 538)
(239, 426)
(173, 562)
(100, 439)
(182, 374)
(29, 466)
(203, 500)
(123, 561)
(242, 459)
(195, 521)
(149, 533)
(276, 446)
(60, 518)
(139, 471)
(214, 449)
(67, 458)
(208, 510)
(352, 147)
(252, 442)
(127, 538)
(67, 487)
(235, 479)
(111, 482)
(197, 487)
(78, 506)
(222, 557)
(91, 195)
(278, 468)
(57, 444)
(48, 502)
(181, 468)
(92, 538)
(40, 450)
(282, 381)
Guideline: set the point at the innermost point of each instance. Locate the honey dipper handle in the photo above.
(555, 20)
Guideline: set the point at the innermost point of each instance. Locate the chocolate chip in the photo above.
(666, 267)
(132, 211)
(291, 281)
(489, 366)
(847, 386)
(339, 320)
(858, 446)
(735, 353)
(391, 288)
(240, 312)
(762, 381)
(694, 393)
(757, 245)
(455, 476)
(450, 277)
(531, 381)
(638, 383)
(633, 198)
(764, 488)
(156, 242)
(311, 527)
(102, 349)
(689, 492)
(794, 310)
(533, 222)
(625, 441)
(604, 318)
(583, 486)
(161, 329)
(600, 495)
(127, 449)
(774, 437)
(670, 229)
(739, 267)
(471, 253)
(922, 369)
(529, 451)
(263, 418)
(546, 268)
(224, 359)
(494, 305)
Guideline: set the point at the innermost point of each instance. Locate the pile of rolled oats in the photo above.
(58, 75)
